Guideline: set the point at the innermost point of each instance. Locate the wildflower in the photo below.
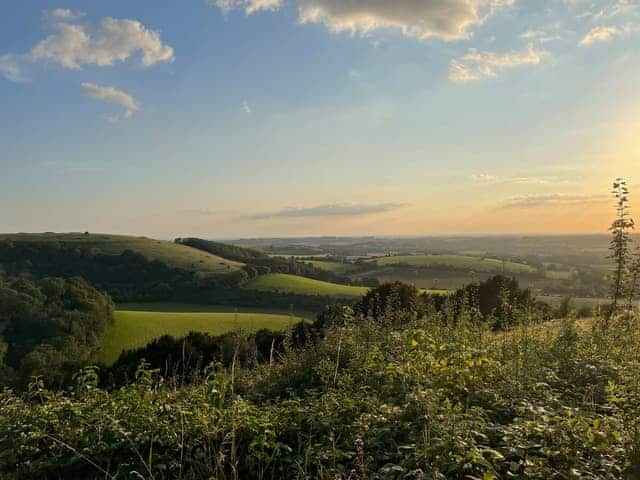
(353, 475)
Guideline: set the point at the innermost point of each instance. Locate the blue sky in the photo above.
(308, 117)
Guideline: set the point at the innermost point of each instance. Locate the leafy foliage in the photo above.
(426, 399)
(498, 301)
(49, 328)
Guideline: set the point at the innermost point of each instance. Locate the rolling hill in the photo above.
(172, 254)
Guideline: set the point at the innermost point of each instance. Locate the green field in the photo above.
(278, 282)
(171, 254)
(143, 323)
(458, 262)
(338, 268)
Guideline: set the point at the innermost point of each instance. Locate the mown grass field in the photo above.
(460, 262)
(143, 323)
(172, 254)
(278, 282)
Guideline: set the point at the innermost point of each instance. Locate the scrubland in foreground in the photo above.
(430, 398)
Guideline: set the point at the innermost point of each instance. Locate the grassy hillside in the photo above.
(467, 262)
(172, 254)
(146, 322)
(303, 286)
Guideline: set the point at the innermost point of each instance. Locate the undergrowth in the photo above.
(371, 400)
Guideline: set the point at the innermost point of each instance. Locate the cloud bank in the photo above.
(112, 95)
(447, 19)
(331, 210)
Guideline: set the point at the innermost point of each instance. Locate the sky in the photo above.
(263, 118)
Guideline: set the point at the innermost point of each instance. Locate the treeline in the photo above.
(498, 301)
(224, 250)
(49, 328)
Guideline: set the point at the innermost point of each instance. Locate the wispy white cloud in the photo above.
(488, 179)
(448, 19)
(477, 65)
(246, 108)
(202, 212)
(115, 40)
(13, 68)
(539, 36)
(531, 201)
(62, 15)
(608, 9)
(484, 178)
(112, 95)
(331, 210)
(599, 34)
(604, 33)
(249, 6)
